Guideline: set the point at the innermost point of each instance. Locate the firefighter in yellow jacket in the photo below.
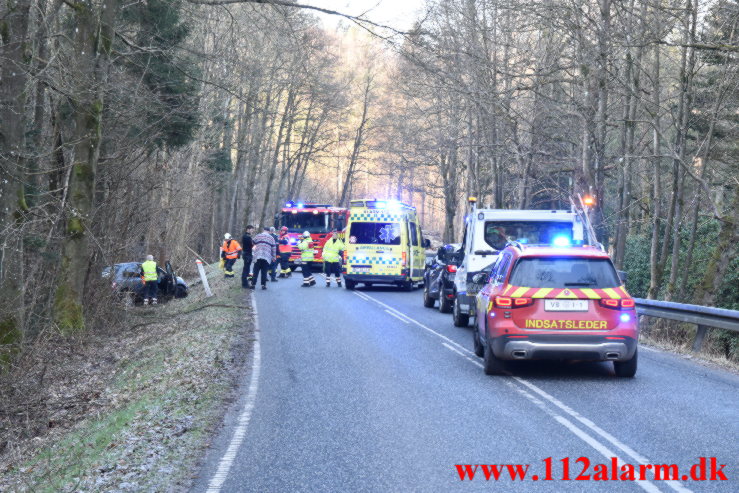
(332, 251)
(305, 245)
(230, 251)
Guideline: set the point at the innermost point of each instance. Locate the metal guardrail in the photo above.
(702, 316)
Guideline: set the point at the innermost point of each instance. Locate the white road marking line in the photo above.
(646, 485)
(675, 485)
(224, 466)
(476, 363)
(432, 331)
(362, 295)
(399, 318)
(607, 453)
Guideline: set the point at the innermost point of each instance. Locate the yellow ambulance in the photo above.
(384, 245)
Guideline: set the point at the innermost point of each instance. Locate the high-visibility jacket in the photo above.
(306, 249)
(284, 245)
(231, 249)
(149, 268)
(332, 249)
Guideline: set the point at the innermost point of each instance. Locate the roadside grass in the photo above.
(161, 401)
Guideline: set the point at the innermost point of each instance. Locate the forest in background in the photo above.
(156, 126)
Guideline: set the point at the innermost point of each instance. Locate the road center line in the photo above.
(675, 485)
(224, 466)
(396, 316)
(432, 331)
(455, 347)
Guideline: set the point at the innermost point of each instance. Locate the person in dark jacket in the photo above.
(247, 244)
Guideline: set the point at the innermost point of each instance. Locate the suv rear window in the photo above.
(498, 233)
(564, 272)
(374, 233)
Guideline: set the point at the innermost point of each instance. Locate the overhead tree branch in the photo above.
(359, 19)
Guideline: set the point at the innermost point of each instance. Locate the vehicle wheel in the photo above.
(626, 369)
(460, 319)
(445, 304)
(180, 292)
(477, 344)
(350, 285)
(428, 301)
(492, 365)
(407, 286)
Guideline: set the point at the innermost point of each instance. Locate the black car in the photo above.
(126, 281)
(438, 278)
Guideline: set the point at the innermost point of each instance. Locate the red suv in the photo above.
(545, 302)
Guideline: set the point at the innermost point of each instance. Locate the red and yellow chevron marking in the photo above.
(567, 293)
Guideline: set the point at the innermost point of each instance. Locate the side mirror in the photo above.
(623, 276)
(426, 243)
(480, 278)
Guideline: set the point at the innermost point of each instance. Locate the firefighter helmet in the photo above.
(227, 236)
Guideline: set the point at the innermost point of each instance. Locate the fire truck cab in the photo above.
(318, 219)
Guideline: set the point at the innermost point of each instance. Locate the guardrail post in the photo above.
(700, 334)
(204, 278)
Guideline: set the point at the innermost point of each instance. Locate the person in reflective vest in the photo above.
(305, 245)
(150, 279)
(332, 258)
(230, 251)
(285, 248)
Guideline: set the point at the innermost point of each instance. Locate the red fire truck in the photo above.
(318, 219)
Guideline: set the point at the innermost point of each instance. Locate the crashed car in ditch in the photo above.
(125, 281)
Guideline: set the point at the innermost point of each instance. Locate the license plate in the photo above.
(361, 270)
(566, 305)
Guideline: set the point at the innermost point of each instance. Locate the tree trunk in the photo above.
(93, 43)
(14, 19)
(358, 141)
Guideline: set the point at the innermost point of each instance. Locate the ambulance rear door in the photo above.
(375, 244)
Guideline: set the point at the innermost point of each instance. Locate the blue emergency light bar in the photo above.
(392, 205)
(561, 241)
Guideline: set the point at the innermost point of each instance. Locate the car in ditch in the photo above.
(125, 281)
(550, 302)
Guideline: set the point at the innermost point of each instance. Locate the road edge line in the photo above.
(224, 465)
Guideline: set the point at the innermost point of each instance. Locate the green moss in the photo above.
(106, 44)
(4, 32)
(22, 204)
(9, 336)
(83, 171)
(67, 310)
(75, 228)
(79, 7)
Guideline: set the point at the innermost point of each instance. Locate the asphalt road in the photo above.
(370, 391)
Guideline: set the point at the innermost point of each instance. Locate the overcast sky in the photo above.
(399, 14)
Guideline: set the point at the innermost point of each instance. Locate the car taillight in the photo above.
(405, 259)
(506, 302)
(503, 302)
(451, 268)
(626, 303)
